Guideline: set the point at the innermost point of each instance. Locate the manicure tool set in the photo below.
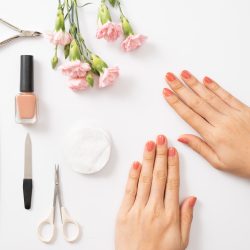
(87, 149)
(21, 33)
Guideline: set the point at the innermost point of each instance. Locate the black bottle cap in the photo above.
(27, 78)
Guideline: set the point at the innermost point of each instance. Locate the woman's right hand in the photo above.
(222, 121)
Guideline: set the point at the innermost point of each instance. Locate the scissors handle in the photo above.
(47, 222)
(67, 220)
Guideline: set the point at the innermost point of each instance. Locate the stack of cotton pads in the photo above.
(87, 150)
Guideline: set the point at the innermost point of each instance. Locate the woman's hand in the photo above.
(150, 217)
(222, 121)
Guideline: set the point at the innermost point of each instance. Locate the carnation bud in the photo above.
(127, 29)
(113, 2)
(104, 14)
(59, 25)
(73, 29)
(98, 64)
(90, 79)
(54, 61)
(74, 52)
(66, 51)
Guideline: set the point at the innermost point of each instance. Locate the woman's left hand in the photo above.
(150, 217)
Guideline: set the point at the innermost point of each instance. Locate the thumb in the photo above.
(186, 214)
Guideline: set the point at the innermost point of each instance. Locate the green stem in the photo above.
(119, 7)
(76, 13)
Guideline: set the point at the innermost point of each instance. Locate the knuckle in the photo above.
(173, 184)
(228, 97)
(146, 179)
(196, 102)
(161, 175)
(210, 98)
(187, 217)
(173, 101)
(133, 176)
(130, 192)
(178, 86)
(193, 82)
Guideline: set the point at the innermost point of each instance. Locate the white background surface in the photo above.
(207, 37)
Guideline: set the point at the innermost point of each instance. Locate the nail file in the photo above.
(27, 181)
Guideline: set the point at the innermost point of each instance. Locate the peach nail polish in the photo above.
(171, 152)
(170, 77)
(183, 140)
(136, 165)
(192, 201)
(161, 139)
(150, 146)
(185, 74)
(26, 101)
(167, 92)
(207, 79)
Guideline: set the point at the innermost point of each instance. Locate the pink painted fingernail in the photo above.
(183, 140)
(171, 152)
(161, 139)
(167, 92)
(192, 202)
(207, 80)
(185, 74)
(136, 165)
(150, 146)
(170, 77)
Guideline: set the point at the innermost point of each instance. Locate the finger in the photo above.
(145, 180)
(173, 180)
(204, 92)
(191, 99)
(187, 114)
(202, 148)
(160, 172)
(131, 187)
(223, 94)
(187, 208)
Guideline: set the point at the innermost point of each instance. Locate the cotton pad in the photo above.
(87, 150)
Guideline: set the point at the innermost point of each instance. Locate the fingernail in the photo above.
(207, 80)
(170, 77)
(150, 146)
(171, 152)
(167, 92)
(192, 202)
(183, 140)
(185, 74)
(136, 165)
(161, 140)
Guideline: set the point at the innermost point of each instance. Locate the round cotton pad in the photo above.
(87, 150)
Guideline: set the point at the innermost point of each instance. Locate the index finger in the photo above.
(187, 114)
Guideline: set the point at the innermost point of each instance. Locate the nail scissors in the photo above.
(65, 217)
(22, 33)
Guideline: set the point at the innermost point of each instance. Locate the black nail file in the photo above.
(27, 181)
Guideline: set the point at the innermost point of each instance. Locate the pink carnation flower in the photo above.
(108, 77)
(75, 69)
(59, 38)
(133, 42)
(109, 31)
(78, 84)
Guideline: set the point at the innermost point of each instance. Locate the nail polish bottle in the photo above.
(26, 100)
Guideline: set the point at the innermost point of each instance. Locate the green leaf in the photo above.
(66, 51)
(90, 79)
(104, 14)
(113, 2)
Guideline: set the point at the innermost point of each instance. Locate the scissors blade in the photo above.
(28, 158)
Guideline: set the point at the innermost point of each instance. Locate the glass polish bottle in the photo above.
(26, 100)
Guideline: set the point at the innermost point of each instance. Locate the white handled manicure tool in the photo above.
(65, 217)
